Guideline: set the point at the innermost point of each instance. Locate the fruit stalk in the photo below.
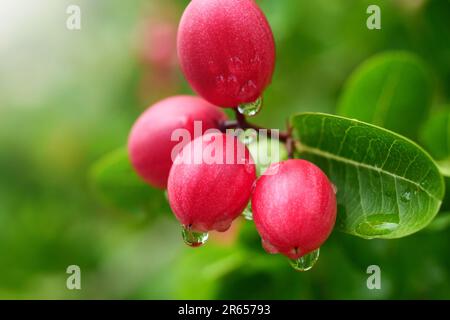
(242, 123)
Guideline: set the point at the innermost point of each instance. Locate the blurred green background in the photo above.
(68, 98)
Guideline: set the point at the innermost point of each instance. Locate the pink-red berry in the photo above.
(226, 50)
(150, 142)
(294, 208)
(210, 182)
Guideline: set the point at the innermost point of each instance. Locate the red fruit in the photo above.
(149, 144)
(159, 44)
(294, 209)
(226, 50)
(208, 196)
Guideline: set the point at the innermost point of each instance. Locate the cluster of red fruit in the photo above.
(227, 53)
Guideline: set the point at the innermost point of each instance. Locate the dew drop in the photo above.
(193, 238)
(335, 189)
(255, 61)
(249, 165)
(306, 262)
(252, 108)
(378, 225)
(253, 186)
(248, 90)
(272, 169)
(248, 213)
(269, 247)
(232, 79)
(406, 197)
(235, 62)
(220, 79)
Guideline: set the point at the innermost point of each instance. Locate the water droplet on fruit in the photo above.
(232, 79)
(193, 238)
(235, 62)
(255, 61)
(220, 79)
(252, 108)
(248, 90)
(306, 262)
(335, 189)
(247, 213)
(272, 169)
(269, 247)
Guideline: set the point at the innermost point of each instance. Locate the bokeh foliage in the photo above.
(68, 98)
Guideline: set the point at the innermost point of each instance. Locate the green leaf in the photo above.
(391, 90)
(116, 183)
(264, 150)
(435, 137)
(388, 187)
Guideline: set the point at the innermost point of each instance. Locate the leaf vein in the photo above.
(304, 148)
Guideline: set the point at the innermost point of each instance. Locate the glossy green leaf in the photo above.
(391, 90)
(116, 183)
(388, 187)
(435, 137)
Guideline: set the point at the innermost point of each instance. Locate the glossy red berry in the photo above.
(226, 50)
(294, 208)
(150, 145)
(210, 182)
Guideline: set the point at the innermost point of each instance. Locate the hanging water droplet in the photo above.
(248, 213)
(193, 238)
(306, 262)
(252, 108)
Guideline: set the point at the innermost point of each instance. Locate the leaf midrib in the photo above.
(304, 148)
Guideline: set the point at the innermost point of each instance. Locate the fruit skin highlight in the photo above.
(226, 50)
(149, 143)
(209, 196)
(294, 208)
